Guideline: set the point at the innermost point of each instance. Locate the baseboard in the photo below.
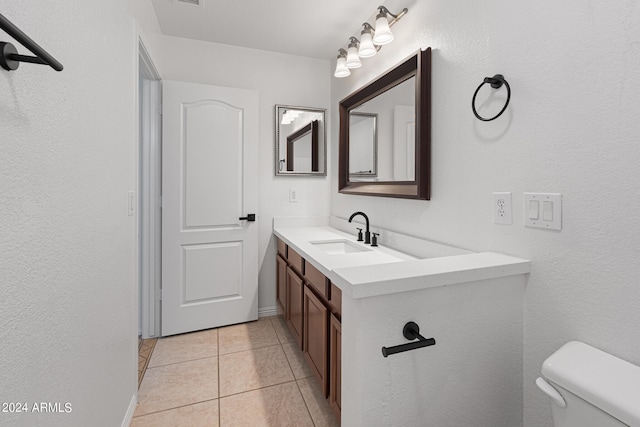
(268, 311)
(128, 417)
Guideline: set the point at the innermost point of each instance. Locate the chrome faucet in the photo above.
(367, 233)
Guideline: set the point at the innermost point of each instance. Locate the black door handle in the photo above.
(250, 217)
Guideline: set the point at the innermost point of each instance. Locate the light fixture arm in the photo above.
(368, 27)
(400, 14)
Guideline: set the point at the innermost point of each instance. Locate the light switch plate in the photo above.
(293, 195)
(548, 207)
(502, 208)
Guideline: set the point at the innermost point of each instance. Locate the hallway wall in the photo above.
(571, 127)
(279, 79)
(67, 246)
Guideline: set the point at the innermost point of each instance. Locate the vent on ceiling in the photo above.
(196, 2)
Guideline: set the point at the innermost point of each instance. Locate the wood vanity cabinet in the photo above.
(281, 285)
(316, 337)
(335, 365)
(312, 307)
(295, 295)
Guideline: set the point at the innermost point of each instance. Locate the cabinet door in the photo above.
(316, 335)
(281, 288)
(335, 363)
(295, 293)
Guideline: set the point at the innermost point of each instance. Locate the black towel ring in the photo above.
(495, 82)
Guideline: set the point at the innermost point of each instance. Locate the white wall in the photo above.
(572, 127)
(67, 247)
(280, 79)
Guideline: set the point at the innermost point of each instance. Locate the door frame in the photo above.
(149, 188)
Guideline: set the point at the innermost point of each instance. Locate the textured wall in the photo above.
(67, 258)
(572, 127)
(280, 79)
(470, 378)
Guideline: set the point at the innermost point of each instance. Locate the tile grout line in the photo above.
(258, 389)
(182, 361)
(173, 408)
(306, 405)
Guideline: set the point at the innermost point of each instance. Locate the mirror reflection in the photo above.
(300, 141)
(395, 116)
(363, 147)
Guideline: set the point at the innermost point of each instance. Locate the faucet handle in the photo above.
(359, 234)
(374, 239)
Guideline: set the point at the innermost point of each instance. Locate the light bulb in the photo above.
(383, 34)
(341, 66)
(367, 49)
(353, 60)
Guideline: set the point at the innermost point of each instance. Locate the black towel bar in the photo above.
(411, 331)
(496, 82)
(9, 57)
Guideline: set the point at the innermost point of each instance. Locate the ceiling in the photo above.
(312, 28)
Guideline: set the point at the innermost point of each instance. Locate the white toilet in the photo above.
(591, 388)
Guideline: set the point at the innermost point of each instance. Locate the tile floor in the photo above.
(243, 375)
(145, 349)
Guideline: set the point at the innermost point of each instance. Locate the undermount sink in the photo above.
(339, 247)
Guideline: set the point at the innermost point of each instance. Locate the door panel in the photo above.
(315, 336)
(295, 293)
(282, 285)
(212, 271)
(210, 163)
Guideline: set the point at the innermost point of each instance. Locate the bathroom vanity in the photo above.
(344, 301)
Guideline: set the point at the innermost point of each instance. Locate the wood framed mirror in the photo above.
(401, 99)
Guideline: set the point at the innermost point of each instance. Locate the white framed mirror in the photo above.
(300, 141)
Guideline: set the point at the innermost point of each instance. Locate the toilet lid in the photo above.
(603, 380)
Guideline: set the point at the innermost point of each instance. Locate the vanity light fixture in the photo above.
(341, 65)
(353, 60)
(370, 41)
(367, 48)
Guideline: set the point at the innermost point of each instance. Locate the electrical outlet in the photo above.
(502, 213)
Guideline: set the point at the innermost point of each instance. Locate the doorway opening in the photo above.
(150, 192)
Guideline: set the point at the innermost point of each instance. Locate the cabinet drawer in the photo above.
(295, 261)
(316, 280)
(335, 301)
(282, 248)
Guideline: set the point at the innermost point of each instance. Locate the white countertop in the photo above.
(382, 270)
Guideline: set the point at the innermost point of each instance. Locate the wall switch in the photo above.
(543, 210)
(293, 195)
(502, 208)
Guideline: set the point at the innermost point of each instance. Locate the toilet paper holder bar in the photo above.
(411, 331)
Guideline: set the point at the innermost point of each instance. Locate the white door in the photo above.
(209, 181)
(404, 143)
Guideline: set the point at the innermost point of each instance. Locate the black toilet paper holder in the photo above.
(411, 331)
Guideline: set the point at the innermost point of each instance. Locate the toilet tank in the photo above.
(595, 389)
